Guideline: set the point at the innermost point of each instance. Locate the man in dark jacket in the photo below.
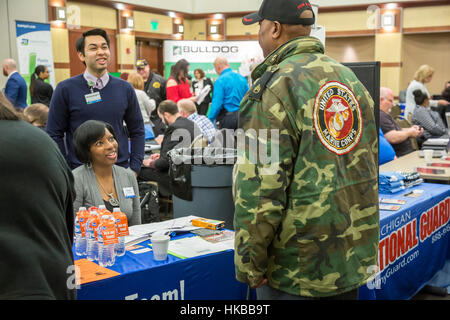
(36, 233)
(155, 87)
(180, 133)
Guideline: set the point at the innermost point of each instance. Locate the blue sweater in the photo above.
(229, 89)
(68, 110)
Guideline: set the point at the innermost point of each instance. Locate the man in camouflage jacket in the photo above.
(307, 223)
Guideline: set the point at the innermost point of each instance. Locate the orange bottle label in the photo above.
(83, 217)
(108, 232)
(122, 223)
(94, 220)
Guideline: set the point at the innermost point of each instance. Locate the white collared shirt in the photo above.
(99, 83)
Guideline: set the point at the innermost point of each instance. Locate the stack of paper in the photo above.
(196, 246)
(143, 232)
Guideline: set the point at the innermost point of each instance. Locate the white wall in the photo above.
(175, 5)
(217, 6)
(10, 11)
(334, 3)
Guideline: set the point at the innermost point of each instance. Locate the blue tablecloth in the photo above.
(414, 243)
(141, 277)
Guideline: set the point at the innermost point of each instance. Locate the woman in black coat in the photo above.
(197, 85)
(40, 91)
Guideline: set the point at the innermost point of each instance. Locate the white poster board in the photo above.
(201, 54)
(34, 47)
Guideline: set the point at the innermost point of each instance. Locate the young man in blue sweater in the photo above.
(96, 95)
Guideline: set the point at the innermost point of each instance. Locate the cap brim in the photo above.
(251, 18)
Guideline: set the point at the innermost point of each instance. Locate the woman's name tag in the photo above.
(129, 192)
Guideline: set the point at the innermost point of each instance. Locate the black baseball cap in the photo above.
(283, 11)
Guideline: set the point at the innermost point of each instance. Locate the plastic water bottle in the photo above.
(122, 230)
(80, 231)
(107, 239)
(91, 236)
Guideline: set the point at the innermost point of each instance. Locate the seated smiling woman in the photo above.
(99, 181)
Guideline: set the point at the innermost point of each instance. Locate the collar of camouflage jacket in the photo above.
(292, 47)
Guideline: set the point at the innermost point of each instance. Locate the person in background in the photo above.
(177, 87)
(306, 219)
(37, 115)
(124, 76)
(146, 104)
(180, 133)
(422, 76)
(229, 89)
(99, 181)
(386, 151)
(36, 196)
(431, 122)
(40, 91)
(155, 87)
(396, 136)
(445, 95)
(16, 87)
(95, 95)
(188, 110)
(198, 84)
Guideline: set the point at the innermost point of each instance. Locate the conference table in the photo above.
(411, 161)
(139, 277)
(414, 243)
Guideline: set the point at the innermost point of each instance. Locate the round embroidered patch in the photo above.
(156, 85)
(337, 117)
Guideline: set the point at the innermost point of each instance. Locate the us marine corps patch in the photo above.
(337, 117)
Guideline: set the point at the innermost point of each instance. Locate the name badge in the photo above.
(93, 97)
(128, 192)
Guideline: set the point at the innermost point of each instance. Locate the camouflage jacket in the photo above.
(308, 219)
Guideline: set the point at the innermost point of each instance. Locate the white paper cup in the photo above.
(160, 245)
(428, 154)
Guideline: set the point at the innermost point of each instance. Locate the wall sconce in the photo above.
(214, 29)
(59, 13)
(178, 27)
(388, 20)
(129, 22)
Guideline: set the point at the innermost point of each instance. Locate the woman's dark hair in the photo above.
(181, 65)
(35, 76)
(86, 135)
(419, 97)
(200, 71)
(7, 111)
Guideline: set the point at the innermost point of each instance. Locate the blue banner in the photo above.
(414, 243)
(209, 277)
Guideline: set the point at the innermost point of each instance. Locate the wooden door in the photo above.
(151, 50)
(76, 66)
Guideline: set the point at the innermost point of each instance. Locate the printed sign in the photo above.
(34, 47)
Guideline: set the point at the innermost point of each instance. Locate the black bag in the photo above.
(149, 203)
(180, 180)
